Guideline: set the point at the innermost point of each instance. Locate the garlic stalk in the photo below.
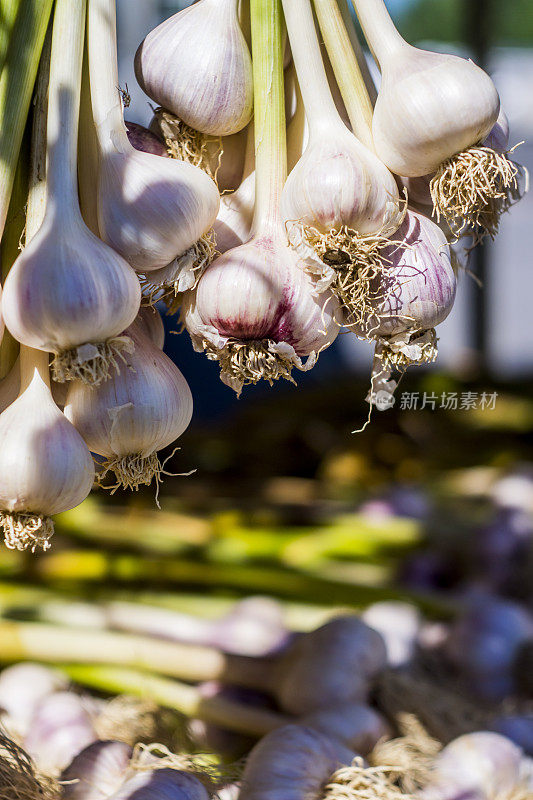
(67, 292)
(340, 202)
(151, 211)
(197, 65)
(233, 225)
(10, 386)
(432, 113)
(132, 416)
(255, 310)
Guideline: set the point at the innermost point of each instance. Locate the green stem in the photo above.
(346, 68)
(180, 697)
(358, 50)
(16, 85)
(269, 112)
(8, 15)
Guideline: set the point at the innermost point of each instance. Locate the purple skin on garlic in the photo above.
(144, 140)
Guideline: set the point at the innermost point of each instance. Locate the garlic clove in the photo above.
(97, 771)
(45, 465)
(132, 416)
(145, 140)
(152, 210)
(96, 295)
(201, 46)
(430, 106)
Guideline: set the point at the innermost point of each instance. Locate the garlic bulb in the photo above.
(161, 784)
(399, 624)
(339, 193)
(255, 310)
(97, 771)
(151, 210)
(60, 727)
(333, 664)
(45, 465)
(132, 416)
(433, 111)
(201, 46)
(356, 725)
(95, 293)
(292, 763)
(22, 688)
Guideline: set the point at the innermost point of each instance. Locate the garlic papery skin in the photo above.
(97, 771)
(432, 113)
(60, 727)
(130, 417)
(162, 784)
(68, 293)
(45, 465)
(149, 319)
(255, 310)
(22, 688)
(197, 65)
(292, 763)
(150, 210)
(339, 193)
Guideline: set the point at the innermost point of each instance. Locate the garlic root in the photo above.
(91, 363)
(23, 531)
(18, 778)
(472, 189)
(186, 143)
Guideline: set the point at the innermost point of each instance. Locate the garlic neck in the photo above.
(379, 29)
(64, 102)
(318, 102)
(33, 366)
(103, 68)
(269, 113)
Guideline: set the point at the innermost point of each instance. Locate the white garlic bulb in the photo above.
(430, 106)
(132, 416)
(45, 465)
(22, 688)
(150, 210)
(67, 292)
(97, 771)
(197, 65)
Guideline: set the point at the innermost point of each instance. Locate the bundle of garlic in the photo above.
(432, 115)
(136, 413)
(340, 202)
(255, 310)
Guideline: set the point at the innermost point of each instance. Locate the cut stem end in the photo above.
(92, 363)
(472, 190)
(26, 531)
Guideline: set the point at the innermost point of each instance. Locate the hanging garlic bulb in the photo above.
(22, 688)
(197, 65)
(60, 727)
(132, 416)
(340, 202)
(154, 212)
(432, 113)
(255, 309)
(67, 292)
(97, 771)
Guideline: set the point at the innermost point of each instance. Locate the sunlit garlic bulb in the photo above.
(151, 210)
(340, 202)
(22, 687)
(45, 465)
(197, 65)
(132, 416)
(432, 114)
(68, 293)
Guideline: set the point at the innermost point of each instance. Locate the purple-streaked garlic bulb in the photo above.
(479, 765)
(358, 726)
(292, 763)
(132, 416)
(22, 688)
(152, 211)
(97, 771)
(333, 664)
(485, 641)
(145, 140)
(197, 65)
(399, 625)
(161, 784)
(60, 728)
(255, 310)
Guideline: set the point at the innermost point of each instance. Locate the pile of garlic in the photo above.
(271, 204)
